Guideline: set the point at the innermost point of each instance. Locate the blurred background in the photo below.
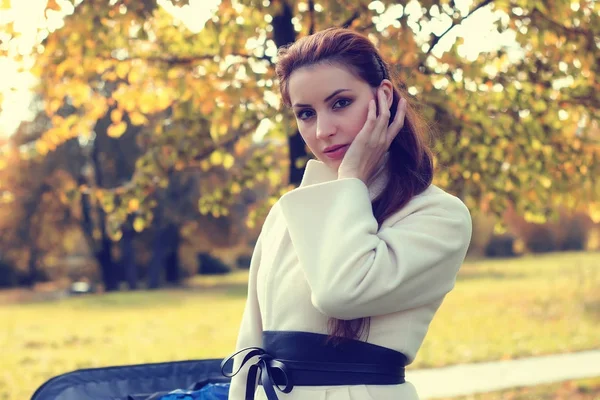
(142, 143)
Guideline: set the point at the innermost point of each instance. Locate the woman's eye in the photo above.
(304, 114)
(341, 103)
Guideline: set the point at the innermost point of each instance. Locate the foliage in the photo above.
(511, 130)
(35, 216)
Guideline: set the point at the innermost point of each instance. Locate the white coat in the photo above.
(320, 254)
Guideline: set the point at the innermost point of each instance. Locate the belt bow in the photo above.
(263, 368)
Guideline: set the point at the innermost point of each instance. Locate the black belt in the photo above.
(290, 358)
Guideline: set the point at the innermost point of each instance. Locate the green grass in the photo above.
(499, 309)
(526, 307)
(585, 389)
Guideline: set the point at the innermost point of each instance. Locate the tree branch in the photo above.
(571, 33)
(227, 142)
(311, 15)
(179, 60)
(456, 22)
(350, 20)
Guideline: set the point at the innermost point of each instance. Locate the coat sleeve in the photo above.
(355, 270)
(250, 331)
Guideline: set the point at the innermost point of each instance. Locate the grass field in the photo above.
(499, 309)
(585, 389)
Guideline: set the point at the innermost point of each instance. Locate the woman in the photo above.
(351, 266)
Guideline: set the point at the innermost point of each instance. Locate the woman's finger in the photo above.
(398, 122)
(370, 123)
(379, 133)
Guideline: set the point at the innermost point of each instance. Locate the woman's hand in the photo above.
(372, 142)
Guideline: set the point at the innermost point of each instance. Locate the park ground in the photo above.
(499, 309)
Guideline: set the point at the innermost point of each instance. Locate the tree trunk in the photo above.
(102, 250)
(164, 256)
(172, 271)
(128, 257)
(158, 250)
(32, 267)
(156, 262)
(110, 271)
(283, 34)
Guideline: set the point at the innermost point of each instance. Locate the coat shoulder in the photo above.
(432, 200)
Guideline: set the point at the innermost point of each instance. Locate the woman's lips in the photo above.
(338, 153)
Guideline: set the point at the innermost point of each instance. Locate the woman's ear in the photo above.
(388, 90)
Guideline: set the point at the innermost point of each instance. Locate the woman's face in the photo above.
(330, 105)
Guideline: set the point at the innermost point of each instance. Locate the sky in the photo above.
(478, 32)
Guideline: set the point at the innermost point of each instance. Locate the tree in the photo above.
(511, 130)
(34, 217)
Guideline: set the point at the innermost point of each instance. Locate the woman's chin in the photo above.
(332, 164)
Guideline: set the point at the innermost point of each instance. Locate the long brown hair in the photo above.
(410, 162)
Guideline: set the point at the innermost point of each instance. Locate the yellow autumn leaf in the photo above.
(207, 107)
(100, 67)
(203, 208)
(133, 205)
(240, 147)
(116, 115)
(137, 118)
(57, 120)
(228, 161)
(173, 73)
(108, 204)
(187, 94)
(116, 130)
(162, 99)
(204, 165)
(53, 105)
(216, 158)
(63, 67)
(135, 76)
(71, 119)
(218, 130)
(545, 181)
(138, 224)
(594, 212)
(128, 102)
(122, 70)
(274, 177)
(146, 103)
(41, 147)
(235, 188)
(109, 75)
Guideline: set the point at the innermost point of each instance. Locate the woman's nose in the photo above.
(325, 127)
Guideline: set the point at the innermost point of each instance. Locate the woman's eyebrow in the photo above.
(326, 99)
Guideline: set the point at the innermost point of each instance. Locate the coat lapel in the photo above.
(317, 172)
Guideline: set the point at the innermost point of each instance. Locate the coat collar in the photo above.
(318, 172)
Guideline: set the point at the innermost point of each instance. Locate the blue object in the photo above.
(132, 382)
(210, 391)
